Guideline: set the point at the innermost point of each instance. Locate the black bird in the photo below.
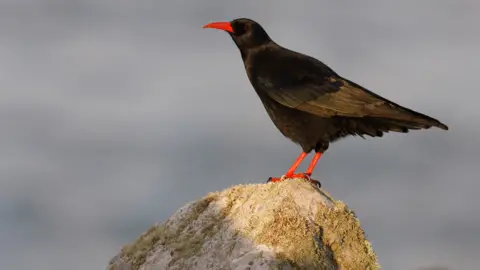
(310, 103)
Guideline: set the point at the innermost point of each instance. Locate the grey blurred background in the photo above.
(113, 114)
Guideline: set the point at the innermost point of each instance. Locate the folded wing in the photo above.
(335, 96)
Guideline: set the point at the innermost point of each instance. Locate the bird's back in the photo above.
(275, 66)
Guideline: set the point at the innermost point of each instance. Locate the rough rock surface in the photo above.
(284, 225)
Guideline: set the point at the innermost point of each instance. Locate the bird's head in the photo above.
(245, 33)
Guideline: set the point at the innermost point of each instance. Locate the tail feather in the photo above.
(376, 127)
(410, 119)
(382, 108)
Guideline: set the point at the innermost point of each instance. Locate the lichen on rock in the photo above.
(284, 225)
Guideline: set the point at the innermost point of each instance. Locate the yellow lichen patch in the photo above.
(295, 236)
(279, 225)
(183, 242)
(332, 238)
(342, 232)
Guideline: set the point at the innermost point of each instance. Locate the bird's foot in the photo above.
(304, 176)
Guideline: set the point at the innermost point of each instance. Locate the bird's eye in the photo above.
(246, 27)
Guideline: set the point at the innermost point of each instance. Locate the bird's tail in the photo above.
(400, 120)
(410, 119)
(387, 111)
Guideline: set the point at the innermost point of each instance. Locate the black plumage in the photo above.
(309, 102)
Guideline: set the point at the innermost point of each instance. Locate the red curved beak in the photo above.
(226, 26)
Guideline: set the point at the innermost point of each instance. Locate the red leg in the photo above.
(292, 169)
(295, 164)
(310, 168)
(291, 172)
(315, 159)
(309, 171)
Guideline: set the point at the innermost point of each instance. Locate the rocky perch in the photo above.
(284, 225)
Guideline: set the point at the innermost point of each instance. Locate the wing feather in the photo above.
(305, 83)
(331, 97)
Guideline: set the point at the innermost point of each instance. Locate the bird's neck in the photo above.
(246, 52)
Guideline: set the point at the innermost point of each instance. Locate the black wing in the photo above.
(307, 84)
(329, 97)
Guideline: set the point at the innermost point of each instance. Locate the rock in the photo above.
(284, 225)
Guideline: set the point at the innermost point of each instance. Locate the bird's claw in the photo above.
(293, 176)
